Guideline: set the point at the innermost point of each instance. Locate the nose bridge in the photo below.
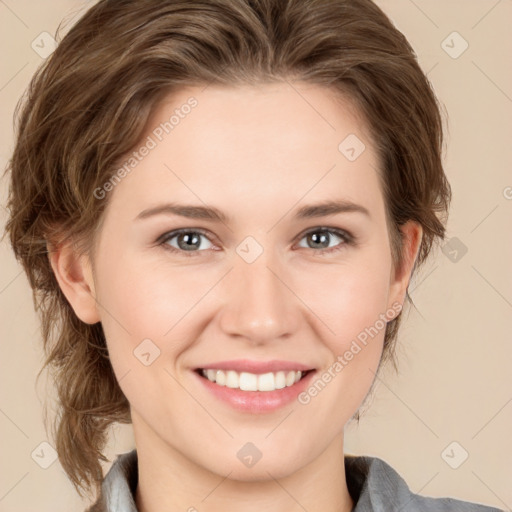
(259, 306)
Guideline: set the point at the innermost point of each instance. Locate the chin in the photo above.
(264, 469)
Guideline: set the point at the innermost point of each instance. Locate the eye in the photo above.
(320, 238)
(186, 241)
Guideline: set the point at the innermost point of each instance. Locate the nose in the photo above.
(260, 304)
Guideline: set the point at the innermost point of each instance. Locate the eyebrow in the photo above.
(312, 211)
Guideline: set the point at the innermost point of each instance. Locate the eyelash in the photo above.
(346, 237)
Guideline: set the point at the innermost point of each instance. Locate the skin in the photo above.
(257, 154)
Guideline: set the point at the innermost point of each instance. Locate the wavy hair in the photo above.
(88, 105)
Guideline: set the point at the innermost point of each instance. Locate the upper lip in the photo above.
(257, 367)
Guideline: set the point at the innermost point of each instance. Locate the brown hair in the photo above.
(88, 105)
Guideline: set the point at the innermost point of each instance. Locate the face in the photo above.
(257, 280)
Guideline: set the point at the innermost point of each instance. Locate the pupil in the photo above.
(190, 241)
(320, 239)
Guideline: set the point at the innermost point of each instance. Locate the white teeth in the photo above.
(232, 379)
(248, 381)
(266, 382)
(280, 380)
(290, 378)
(251, 381)
(220, 377)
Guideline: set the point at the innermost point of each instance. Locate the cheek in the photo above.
(352, 303)
(347, 298)
(140, 303)
(362, 300)
(143, 318)
(355, 313)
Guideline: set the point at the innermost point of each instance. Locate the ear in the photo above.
(73, 272)
(400, 277)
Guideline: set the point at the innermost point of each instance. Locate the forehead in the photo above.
(292, 120)
(254, 147)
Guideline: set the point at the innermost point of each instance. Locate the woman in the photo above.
(220, 205)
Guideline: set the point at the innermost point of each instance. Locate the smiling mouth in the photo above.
(246, 381)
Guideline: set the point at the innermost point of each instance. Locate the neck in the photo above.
(170, 482)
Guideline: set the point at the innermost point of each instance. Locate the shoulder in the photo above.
(376, 487)
(119, 486)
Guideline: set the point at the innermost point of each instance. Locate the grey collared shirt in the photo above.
(373, 484)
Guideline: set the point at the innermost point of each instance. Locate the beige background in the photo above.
(455, 382)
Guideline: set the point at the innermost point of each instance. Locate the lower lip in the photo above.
(257, 401)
